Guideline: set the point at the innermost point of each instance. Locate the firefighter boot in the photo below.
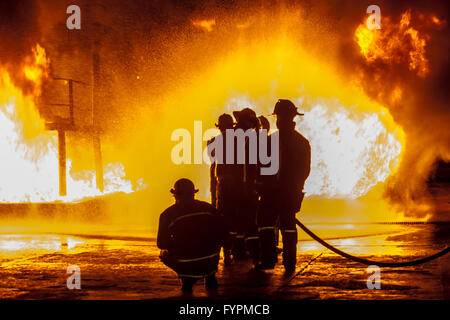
(239, 252)
(268, 249)
(227, 250)
(211, 282)
(289, 251)
(188, 283)
(252, 244)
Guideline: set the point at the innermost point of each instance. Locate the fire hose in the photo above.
(367, 261)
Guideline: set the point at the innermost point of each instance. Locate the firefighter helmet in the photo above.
(247, 116)
(286, 108)
(183, 186)
(225, 121)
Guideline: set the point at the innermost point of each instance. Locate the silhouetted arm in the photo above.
(307, 162)
(213, 183)
(163, 233)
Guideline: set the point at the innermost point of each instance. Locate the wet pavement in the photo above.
(34, 266)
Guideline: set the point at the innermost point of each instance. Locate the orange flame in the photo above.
(207, 25)
(395, 43)
(29, 161)
(36, 68)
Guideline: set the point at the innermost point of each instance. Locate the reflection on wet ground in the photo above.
(33, 266)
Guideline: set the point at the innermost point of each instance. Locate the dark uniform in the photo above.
(225, 186)
(191, 235)
(282, 194)
(212, 180)
(247, 175)
(267, 215)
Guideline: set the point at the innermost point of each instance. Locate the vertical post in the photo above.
(95, 129)
(71, 106)
(98, 162)
(62, 163)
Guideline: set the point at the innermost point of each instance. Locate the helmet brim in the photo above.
(296, 114)
(173, 191)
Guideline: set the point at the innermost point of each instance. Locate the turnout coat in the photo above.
(192, 234)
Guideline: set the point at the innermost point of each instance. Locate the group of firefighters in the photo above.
(248, 208)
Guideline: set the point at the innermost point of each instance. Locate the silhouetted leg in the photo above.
(290, 238)
(268, 248)
(227, 207)
(252, 243)
(211, 282)
(267, 217)
(239, 251)
(227, 248)
(252, 235)
(188, 283)
(289, 250)
(267, 222)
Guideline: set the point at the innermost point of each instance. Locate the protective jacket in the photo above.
(193, 234)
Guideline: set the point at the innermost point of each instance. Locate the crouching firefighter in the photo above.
(282, 197)
(190, 236)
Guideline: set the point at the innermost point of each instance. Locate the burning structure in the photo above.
(375, 101)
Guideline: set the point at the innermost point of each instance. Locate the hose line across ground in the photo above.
(367, 261)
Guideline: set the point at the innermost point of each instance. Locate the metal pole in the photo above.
(98, 162)
(96, 135)
(72, 122)
(62, 163)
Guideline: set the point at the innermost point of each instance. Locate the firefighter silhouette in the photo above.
(235, 193)
(190, 236)
(246, 173)
(224, 184)
(281, 195)
(266, 182)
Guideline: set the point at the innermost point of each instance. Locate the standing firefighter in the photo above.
(282, 197)
(224, 184)
(190, 236)
(268, 226)
(246, 140)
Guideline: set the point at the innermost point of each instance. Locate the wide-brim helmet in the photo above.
(286, 108)
(183, 186)
(225, 121)
(248, 116)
